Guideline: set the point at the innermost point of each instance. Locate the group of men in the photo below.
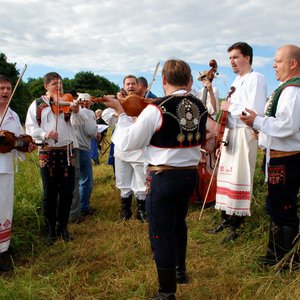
(166, 138)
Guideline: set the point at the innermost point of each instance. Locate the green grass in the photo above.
(108, 259)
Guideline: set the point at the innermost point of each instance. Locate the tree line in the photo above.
(26, 92)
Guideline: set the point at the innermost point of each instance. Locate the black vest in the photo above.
(183, 122)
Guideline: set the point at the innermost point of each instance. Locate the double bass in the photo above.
(206, 187)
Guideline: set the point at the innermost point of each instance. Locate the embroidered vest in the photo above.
(273, 101)
(183, 124)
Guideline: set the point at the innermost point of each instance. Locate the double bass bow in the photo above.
(219, 142)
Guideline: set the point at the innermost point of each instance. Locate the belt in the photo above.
(277, 153)
(70, 146)
(167, 168)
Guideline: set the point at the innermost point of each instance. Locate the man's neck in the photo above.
(172, 89)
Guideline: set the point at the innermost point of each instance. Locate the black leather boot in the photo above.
(225, 221)
(5, 265)
(50, 234)
(235, 224)
(62, 231)
(126, 212)
(181, 276)
(167, 284)
(141, 212)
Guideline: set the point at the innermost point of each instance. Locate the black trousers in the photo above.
(283, 188)
(58, 177)
(167, 205)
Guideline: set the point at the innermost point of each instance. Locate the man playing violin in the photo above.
(10, 122)
(238, 157)
(50, 119)
(170, 129)
(129, 165)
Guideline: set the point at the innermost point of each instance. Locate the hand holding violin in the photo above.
(112, 102)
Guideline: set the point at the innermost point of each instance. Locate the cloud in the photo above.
(121, 37)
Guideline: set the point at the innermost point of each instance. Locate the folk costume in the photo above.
(129, 173)
(171, 130)
(280, 136)
(11, 123)
(57, 162)
(238, 158)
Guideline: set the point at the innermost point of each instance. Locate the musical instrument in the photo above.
(62, 103)
(223, 122)
(205, 192)
(8, 141)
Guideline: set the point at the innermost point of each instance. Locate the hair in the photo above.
(177, 72)
(129, 76)
(73, 92)
(245, 49)
(4, 78)
(293, 52)
(143, 81)
(50, 76)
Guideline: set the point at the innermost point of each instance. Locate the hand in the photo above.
(248, 119)
(225, 105)
(31, 147)
(74, 107)
(112, 102)
(52, 135)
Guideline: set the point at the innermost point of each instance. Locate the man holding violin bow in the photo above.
(50, 118)
(12, 140)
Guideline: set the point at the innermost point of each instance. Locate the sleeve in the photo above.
(109, 117)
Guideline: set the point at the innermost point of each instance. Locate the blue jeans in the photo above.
(86, 179)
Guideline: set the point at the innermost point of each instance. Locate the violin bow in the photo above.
(12, 94)
(152, 81)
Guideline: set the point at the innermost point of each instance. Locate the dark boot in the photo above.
(126, 212)
(5, 265)
(181, 276)
(235, 224)
(225, 221)
(281, 241)
(141, 212)
(50, 234)
(167, 284)
(62, 231)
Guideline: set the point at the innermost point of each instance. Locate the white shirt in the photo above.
(66, 132)
(128, 136)
(283, 132)
(250, 92)
(11, 123)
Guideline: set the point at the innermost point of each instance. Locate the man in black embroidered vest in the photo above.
(279, 134)
(171, 129)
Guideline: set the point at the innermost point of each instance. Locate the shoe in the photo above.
(50, 239)
(232, 236)
(220, 227)
(5, 268)
(76, 220)
(181, 278)
(63, 233)
(88, 212)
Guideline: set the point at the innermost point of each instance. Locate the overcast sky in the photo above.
(113, 38)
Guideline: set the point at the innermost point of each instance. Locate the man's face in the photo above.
(5, 92)
(131, 86)
(240, 64)
(54, 87)
(282, 65)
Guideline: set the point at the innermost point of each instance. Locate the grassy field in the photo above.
(108, 259)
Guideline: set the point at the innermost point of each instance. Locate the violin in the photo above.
(132, 104)
(62, 103)
(8, 141)
(223, 122)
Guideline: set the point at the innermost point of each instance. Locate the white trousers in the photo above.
(6, 209)
(130, 177)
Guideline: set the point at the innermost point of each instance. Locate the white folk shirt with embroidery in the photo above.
(250, 92)
(66, 132)
(129, 136)
(283, 132)
(11, 123)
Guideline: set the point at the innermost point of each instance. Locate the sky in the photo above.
(113, 38)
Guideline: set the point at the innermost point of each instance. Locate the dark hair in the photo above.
(142, 80)
(129, 76)
(4, 78)
(73, 92)
(177, 72)
(245, 49)
(50, 76)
